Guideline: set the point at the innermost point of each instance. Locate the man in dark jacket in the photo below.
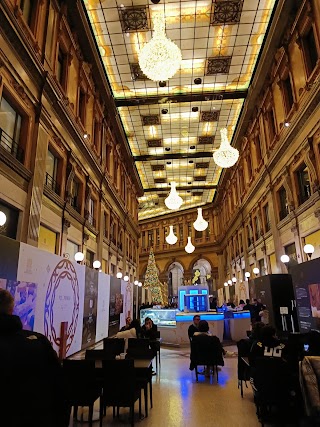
(149, 329)
(30, 375)
(194, 327)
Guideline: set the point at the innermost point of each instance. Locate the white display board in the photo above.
(103, 306)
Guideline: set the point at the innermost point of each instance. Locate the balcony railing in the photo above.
(52, 183)
(11, 146)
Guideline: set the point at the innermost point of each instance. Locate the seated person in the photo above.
(241, 305)
(206, 349)
(264, 314)
(127, 325)
(149, 329)
(268, 348)
(213, 304)
(194, 327)
(134, 331)
(231, 304)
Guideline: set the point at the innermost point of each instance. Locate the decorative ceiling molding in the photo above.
(205, 140)
(153, 143)
(218, 65)
(226, 12)
(157, 168)
(137, 73)
(134, 18)
(203, 165)
(210, 116)
(152, 120)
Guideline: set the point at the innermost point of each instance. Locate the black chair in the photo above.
(81, 386)
(139, 343)
(155, 346)
(206, 350)
(120, 387)
(98, 355)
(113, 346)
(244, 347)
(272, 386)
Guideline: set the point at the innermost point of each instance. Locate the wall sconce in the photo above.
(285, 259)
(308, 250)
(79, 257)
(96, 264)
(256, 271)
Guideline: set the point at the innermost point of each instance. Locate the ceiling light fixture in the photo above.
(85, 135)
(226, 156)
(171, 238)
(160, 58)
(287, 124)
(200, 223)
(189, 248)
(173, 201)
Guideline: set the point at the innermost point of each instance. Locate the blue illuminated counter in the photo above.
(240, 323)
(173, 324)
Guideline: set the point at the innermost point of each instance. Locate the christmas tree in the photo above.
(159, 291)
(151, 279)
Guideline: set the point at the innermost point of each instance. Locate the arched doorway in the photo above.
(175, 278)
(205, 271)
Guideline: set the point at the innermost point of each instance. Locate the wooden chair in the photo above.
(120, 387)
(81, 386)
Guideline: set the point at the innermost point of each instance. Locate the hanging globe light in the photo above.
(160, 58)
(200, 223)
(171, 237)
(189, 248)
(173, 201)
(226, 156)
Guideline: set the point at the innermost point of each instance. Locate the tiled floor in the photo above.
(178, 401)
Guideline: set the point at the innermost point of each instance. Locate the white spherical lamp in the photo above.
(3, 218)
(229, 282)
(189, 248)
(171, 238)
(126, 278)
(136, 282)
(308, 249)
(200, 223)
(119, 275)
(256, 270)
(247, 274)
(96, 264)
(79, 256)
(285, 259)
(225, 284)
(234, 279)
(139, 284)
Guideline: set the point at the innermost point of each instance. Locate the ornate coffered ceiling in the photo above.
(173, 130)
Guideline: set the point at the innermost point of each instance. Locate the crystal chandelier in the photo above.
(226, 156)
(200, 223)
(160, 58)
(173, 201)
(171, 238)
(189, 248)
